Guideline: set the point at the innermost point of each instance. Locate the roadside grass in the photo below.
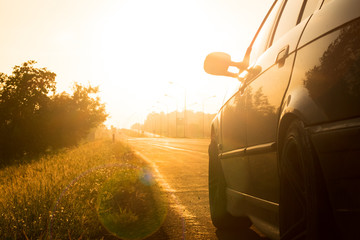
(98, 190)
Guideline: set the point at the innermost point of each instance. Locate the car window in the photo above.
(289, 17)
(261, 40)
(310, 7)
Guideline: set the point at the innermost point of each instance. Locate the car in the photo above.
(285, 147)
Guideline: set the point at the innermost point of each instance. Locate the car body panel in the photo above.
(324, 90)
(233, 123)
(338, 147)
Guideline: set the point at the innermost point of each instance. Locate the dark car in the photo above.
(285, 148)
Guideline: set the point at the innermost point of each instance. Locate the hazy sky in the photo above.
(132, 49)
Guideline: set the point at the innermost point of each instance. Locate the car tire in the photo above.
(217, 196)
(304, 209)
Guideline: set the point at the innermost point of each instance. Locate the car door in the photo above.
(233, 125)
(264, 95)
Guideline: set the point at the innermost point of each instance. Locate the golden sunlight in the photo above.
(131, 49)
(83, 82)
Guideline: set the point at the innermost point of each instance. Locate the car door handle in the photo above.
(282, 55)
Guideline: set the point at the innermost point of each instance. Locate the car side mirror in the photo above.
(217, 63)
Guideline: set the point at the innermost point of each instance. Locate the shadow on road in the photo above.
(247, 234)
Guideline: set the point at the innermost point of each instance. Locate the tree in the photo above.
(33, 118)
(23, 95)
(70, 118)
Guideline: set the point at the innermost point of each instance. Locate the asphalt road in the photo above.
(181, 167)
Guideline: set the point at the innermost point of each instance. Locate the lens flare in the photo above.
(131, 204)
(146, 177)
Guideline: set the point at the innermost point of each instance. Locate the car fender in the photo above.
(215, 129)
(298, 104)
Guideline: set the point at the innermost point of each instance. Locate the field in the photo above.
(98, 190)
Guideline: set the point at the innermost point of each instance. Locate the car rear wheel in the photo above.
(305, 212)
(217, 196)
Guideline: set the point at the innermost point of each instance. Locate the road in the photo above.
(181, 167)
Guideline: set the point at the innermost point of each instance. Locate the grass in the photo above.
(98, 190)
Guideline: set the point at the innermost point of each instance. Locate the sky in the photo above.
(145, 56)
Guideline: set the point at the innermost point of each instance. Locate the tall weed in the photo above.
(97, 190)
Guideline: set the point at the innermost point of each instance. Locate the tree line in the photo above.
(187, 124)
(35, 119)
